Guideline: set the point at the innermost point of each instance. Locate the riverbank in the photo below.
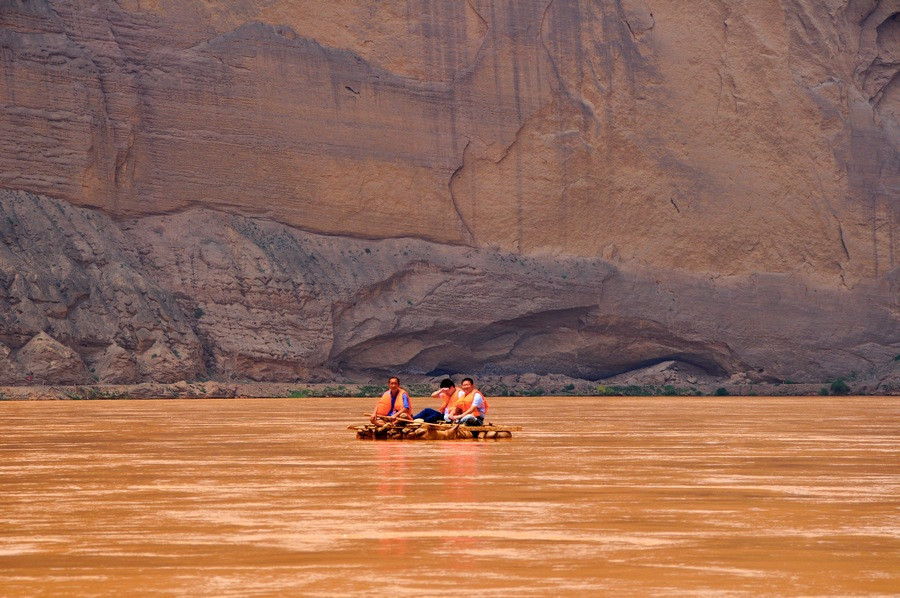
(523, 385)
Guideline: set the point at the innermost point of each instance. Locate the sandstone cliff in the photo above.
(200, 293)
(292, 189)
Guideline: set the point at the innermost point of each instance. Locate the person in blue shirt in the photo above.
(393, 404)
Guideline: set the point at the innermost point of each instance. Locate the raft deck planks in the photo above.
(403, 430)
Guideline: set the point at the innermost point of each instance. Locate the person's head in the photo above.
(448, 383)
(467, 384)
(394, 383)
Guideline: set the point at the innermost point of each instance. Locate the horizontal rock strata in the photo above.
(201, 293)
(707, 137)
(281, 190)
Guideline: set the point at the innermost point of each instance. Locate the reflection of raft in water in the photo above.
(413, 430)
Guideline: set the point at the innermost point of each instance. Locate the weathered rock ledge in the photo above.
(884, 382)
(205, 295)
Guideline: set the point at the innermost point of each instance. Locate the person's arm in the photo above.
(407, 408)
(477, 402)
(464, 413)
(385, 418)
(375, 416)
(454, 407)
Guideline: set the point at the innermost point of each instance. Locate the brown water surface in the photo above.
(612, 496)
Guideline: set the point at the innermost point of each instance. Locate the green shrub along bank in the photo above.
(666, 390)
(839, 387)
(93, 392)
(362, 391)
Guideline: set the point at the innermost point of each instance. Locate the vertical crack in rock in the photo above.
(487, 31)
(637, 17)
(468, 235)
(843, 243)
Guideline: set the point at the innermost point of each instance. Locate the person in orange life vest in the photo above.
(448, 394)
(393, 404)
(470, 407)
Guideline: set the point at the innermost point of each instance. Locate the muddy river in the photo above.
(610, 496)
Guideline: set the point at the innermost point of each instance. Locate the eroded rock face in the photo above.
(579, 188)
(70, 273)
(665, 373)
(229, 297)
(48, 361)
(707, 137)
(10, 372)
(116, 365)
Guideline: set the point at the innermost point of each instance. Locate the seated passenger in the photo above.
(393, 404)
(448, 395)
(470, 407)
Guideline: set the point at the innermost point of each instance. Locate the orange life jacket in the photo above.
(465, 402)
(387, 406)
(448, 399)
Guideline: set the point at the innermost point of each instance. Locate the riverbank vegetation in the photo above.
(421, 390)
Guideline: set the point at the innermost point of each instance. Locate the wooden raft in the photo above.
(412, 430)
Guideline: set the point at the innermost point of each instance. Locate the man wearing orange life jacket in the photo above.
(393, 404)
(448, 394)
(470, 408)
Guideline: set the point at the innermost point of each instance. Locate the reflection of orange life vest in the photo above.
(386, 406)
(465, 402)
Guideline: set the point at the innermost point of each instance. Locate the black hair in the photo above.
(470, 380)
(394, 378)
(447, 383)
